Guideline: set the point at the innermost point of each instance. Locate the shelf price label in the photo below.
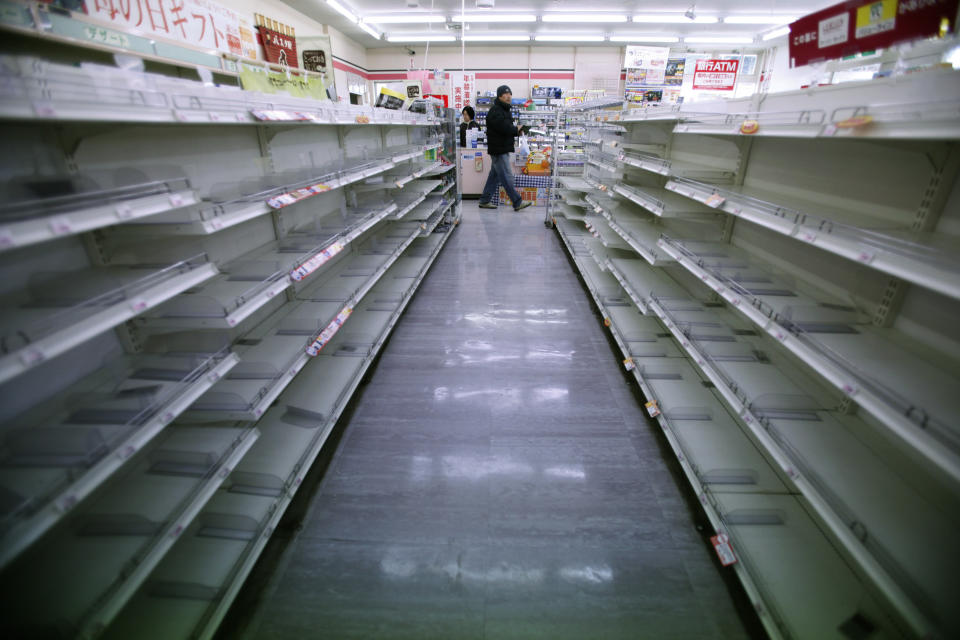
(653, 410)
(60, 225)
(721, 544)
(714, 200)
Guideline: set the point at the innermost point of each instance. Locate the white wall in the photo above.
(522, 66)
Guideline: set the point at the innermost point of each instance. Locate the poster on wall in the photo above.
(715, 75)
(200, 23)
(673, 75)
(853, 27)
(316, 56)
(646, 57)
(646, 69)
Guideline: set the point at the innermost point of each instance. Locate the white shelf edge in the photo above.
(292, 485)
(108, 608)
(908, 432)
(59, 506)
(867, 563)
(915, 271)
(62, 340)
(34, 231)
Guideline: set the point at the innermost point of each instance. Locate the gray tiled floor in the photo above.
(498, 478)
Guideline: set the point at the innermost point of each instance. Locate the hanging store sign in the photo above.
(852, 27)
(201, 23)
(316, 54)
(462, 86)
(279, 41)
(715, 75)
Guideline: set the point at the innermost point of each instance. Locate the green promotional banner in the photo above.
(264, 81)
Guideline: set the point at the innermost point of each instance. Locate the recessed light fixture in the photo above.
(497, 38)
(582, 17)
(404, 19)
(342, 10)
(673, 18)
(717, 40)
(776, 33)
(420, 38)
(759, 19)
(496, 17)
(644, 39)
(551, 38)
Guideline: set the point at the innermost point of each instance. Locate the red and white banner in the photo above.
(278, 47)
(462, 88)
(715, 75)
(852, 27)
(201, 23)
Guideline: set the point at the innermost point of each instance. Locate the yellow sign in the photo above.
(876, 17)
(299, 86)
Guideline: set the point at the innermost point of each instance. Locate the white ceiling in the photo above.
(320, 11)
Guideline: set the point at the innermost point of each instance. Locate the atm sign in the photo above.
(715, 75)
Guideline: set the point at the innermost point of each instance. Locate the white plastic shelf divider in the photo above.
(54, 464)
(842, 351)
(921, 119)
(57, 318)
(83, 575)
(192, 588)
(806, 123)
(723, 467)
(28, 222)
(659, 202)
(39, 90)
(768, 402)
(267, 367)
(913, 257)
(639, 234)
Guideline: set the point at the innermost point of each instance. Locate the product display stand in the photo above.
(196, 280)
(771, 275)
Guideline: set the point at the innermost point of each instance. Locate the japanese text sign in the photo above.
(201, 23)
(278, 47)
(852, 27)
(462, 86)
(715, 75)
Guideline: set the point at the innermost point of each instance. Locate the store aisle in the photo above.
(497, 478)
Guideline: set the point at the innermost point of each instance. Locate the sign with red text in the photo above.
(853, 27)
(278, 47)
(201, 23)
(462, 88)
(715, 75)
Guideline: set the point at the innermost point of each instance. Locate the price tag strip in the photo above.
(331, 330)
(317, 261)
(287, 199)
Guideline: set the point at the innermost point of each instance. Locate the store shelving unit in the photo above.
(179, 343)
(790, 339)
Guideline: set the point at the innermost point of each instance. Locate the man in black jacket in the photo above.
(500, 135)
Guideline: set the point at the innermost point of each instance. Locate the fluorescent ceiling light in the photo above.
(717, 40)
(673, 18)
(404, 19)
(582, 17)
(643, 39)
(415, 38)
(503, 38)
(758, 19)
(373, 32)
(569, 38)
(776, 33)
(496, 17)
(342, 10)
